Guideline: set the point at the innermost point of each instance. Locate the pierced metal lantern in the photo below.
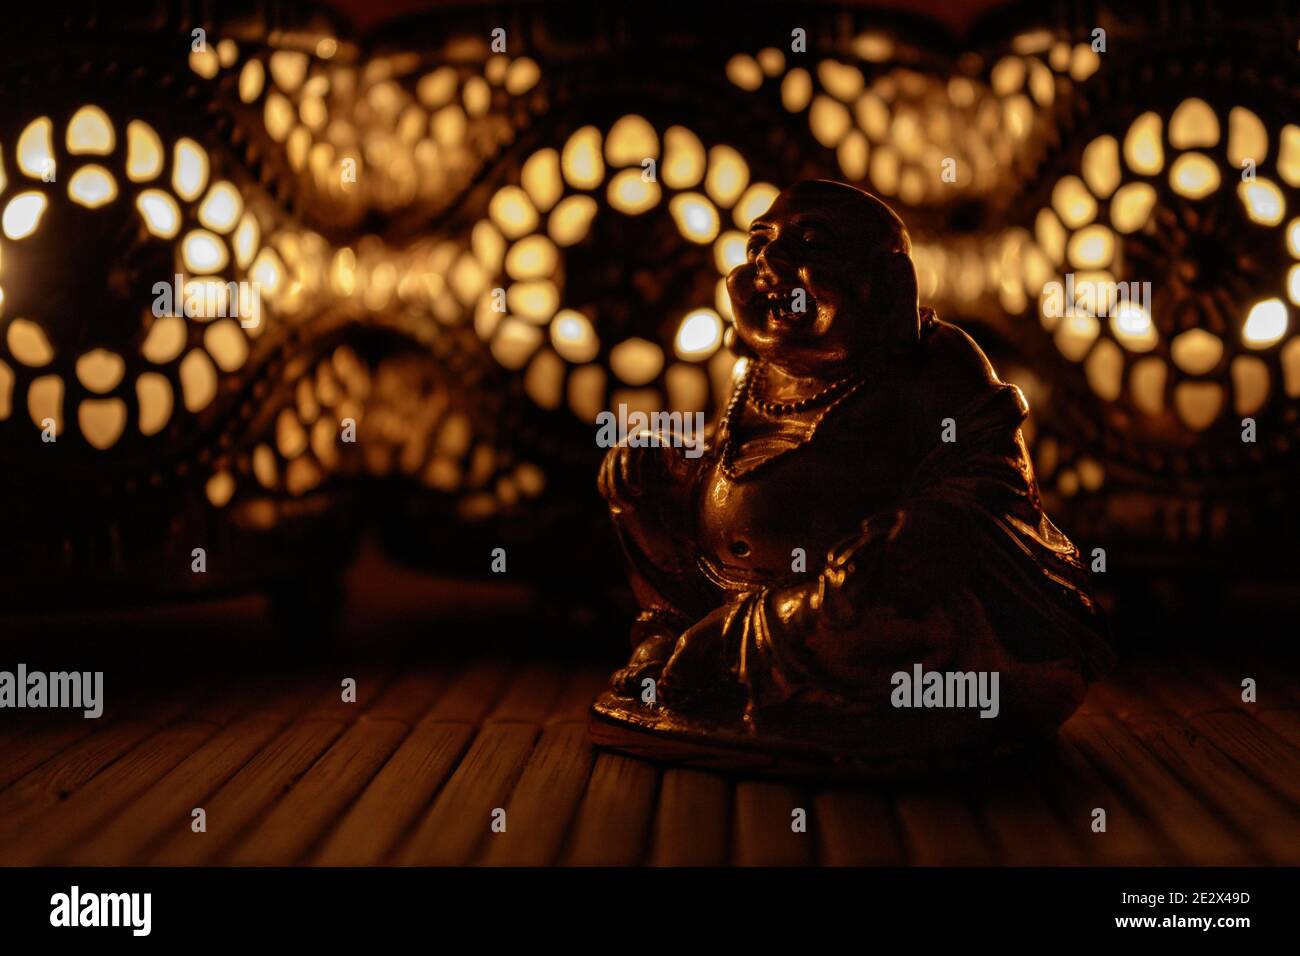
(256, 267)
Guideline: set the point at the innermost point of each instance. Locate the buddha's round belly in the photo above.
(753, 525)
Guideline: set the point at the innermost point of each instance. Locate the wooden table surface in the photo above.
(412, 773)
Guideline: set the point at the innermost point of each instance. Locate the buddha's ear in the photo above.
(896, 291)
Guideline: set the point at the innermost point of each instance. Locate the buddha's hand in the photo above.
(628, 471)
(698, 666)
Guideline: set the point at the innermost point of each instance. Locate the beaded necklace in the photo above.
(825, 399)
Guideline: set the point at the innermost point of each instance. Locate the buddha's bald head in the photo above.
(873, 223)
(827, 277)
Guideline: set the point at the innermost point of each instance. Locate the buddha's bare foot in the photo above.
(647, 661)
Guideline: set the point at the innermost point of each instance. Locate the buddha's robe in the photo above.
(932, 552)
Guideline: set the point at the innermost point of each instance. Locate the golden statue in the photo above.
(857, 576)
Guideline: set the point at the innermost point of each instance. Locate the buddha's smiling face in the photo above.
(803, 298)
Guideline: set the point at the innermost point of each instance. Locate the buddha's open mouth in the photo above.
(788, 306)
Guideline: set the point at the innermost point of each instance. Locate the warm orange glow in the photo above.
(221, 208)
(190, 169)
(1193, 124)
(631, 140)
(727, 177)
(542, 180)
(36, 150)
(796, 90)
(100, 370)
(1196, 351)
(684, 160)
(513, 212)
(89, 131)
(144, 152)
(573, 337)
(1142, 147)
(1130, 208)
(92, 186)
(1101, 166)
(28, 344)
(753, 203)
(699, 335)
(1247, 137)
(23, 214)
(1266, 324)
(744, 71)
(571, 219)
(629, 192)
(636, 361)
(1194, 175)
(161, 215)
(696, 217)
(1132, 326)
(1263, 201)
(1073, 203)
(580, 159)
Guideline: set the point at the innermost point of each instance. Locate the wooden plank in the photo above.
(1266, 756)
(26, 751)
(324, 692)
(1255, 746)
(54, 780)
(1022, 827)
(1122, 698)
(545, 799)
(1277, 677)
(530, 695)
(939, 826)
(1274, 707)
(315, 801)
(1074, 789)
(1272, 827)
(1168, 802)
(692, 824)
(461, 817)
(612, 824)
(575, 698)
(301, 815)
(391, 802)
(167, 806)
(248, 794)
(238, 699)
(472, 693)
(261, 784)
(1285, 723)
(249, 714)
(369, 831)
(1224, 683)
(1173, 755)
(856, 828)
(763, 834)
(42, 838)
(410, 696)
(1170, 686)
(21, 726)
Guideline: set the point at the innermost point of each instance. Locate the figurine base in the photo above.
(659, 734)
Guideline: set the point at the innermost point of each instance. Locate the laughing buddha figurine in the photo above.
(857, 577)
